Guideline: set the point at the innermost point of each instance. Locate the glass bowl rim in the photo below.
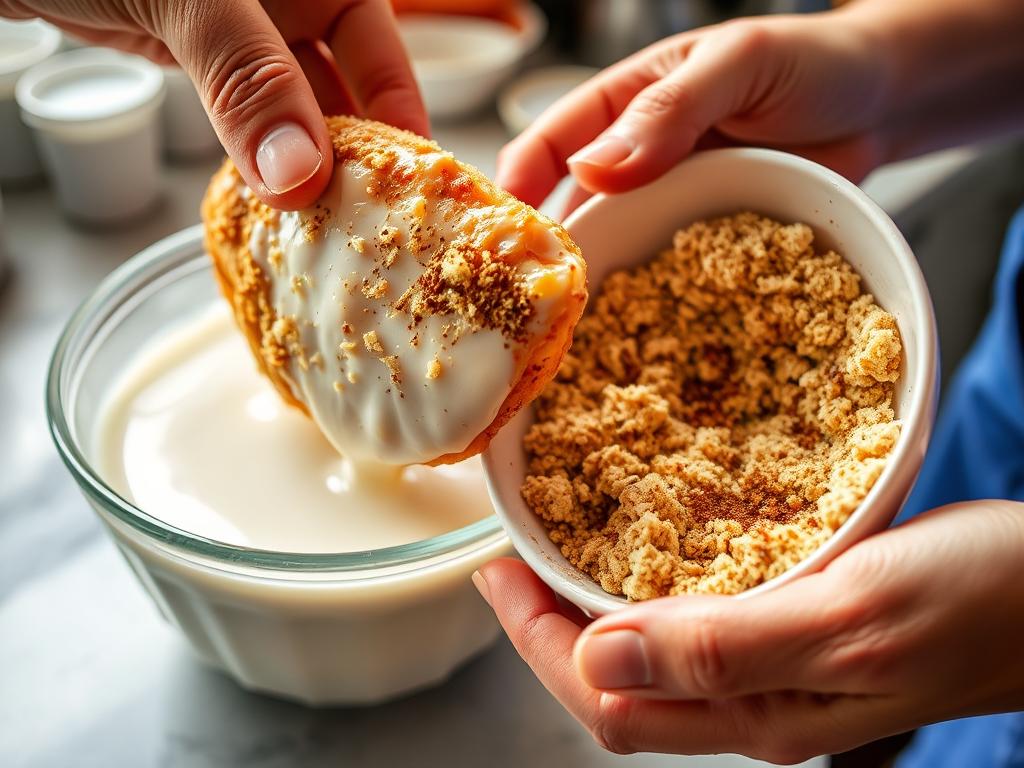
(129, 280)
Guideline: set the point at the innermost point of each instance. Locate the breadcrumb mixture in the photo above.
(722, 411)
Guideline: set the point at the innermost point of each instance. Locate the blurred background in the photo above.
(100, 156)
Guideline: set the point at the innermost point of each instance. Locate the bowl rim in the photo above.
(523, 40)
(917, 417)
(170, 258)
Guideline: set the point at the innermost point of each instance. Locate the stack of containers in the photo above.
(97, 120)
(188, 134)
(95, 115)
(22, 44)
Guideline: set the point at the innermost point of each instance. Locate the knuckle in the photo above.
(241, 84)
(748, 37)
(869, 654)
(610, 728)
(787, 749)
(529, 632)
(386, 82)
(663, 99)
(861, 643)
(787, 756)
(701, 666)
(532, 633)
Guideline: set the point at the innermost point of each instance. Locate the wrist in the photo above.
(993, 619)
(947, 68)
(878, 40)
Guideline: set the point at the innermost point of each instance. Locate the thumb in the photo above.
(722, 74)
(258, 99)
(704, 647)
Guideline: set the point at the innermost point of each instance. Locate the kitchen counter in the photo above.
(91, 676)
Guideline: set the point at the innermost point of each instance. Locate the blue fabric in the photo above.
(977, 452)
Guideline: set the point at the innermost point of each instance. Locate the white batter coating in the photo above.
(380, 386)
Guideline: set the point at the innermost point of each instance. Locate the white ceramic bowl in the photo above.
(461, 61)
(322, 628)
(621, 231)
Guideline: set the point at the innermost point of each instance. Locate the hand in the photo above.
(870, 82)
(784, 81)
(918, 624)
(266, 72)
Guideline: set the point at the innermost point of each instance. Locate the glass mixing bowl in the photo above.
(346, 628)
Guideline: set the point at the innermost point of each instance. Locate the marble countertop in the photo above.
(90, 674)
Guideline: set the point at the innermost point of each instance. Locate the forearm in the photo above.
(955, 69)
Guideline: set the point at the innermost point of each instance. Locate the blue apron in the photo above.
(978, 453)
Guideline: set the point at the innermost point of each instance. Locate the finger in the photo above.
(577, 197)
(532, 618)
(533, 163)
(721, 76)
(129, 41)
(370, 54)
(259, 101)
(786, 727)
(705, 647)
(321, 71)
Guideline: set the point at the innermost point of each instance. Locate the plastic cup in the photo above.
(188, 134)
(95, 115)
(23, 44)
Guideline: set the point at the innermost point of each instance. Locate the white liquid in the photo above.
(365, 410)
(197, 438)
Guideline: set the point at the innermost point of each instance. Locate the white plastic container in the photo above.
(460, 61)
(95, 114)
(23, 44)
(346, 628)
(526, 98)
(621, 231)
(187, 131)
(3, 245)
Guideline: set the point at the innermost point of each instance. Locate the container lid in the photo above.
(526, 98)
(90, 88)
(22, 45)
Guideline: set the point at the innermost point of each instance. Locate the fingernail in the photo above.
(604, 151)
(481, 586)
(287, 157)
(616, 659)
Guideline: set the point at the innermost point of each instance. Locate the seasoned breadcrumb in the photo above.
(722, 411)
(372, 343)
(434, 369)
(481, 289)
